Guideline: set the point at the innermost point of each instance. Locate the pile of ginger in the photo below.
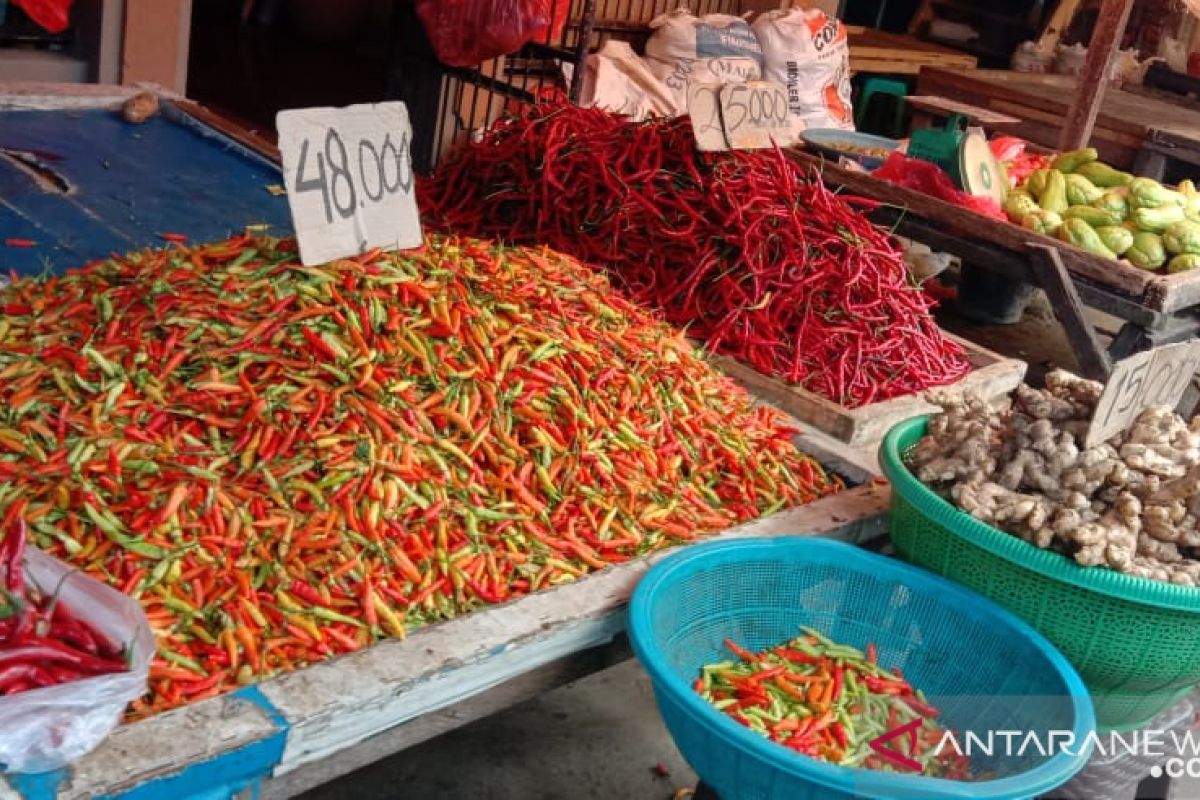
(1131, 504)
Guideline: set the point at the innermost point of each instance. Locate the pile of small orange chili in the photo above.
(283, 463)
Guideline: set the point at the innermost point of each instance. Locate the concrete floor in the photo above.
(599, 738)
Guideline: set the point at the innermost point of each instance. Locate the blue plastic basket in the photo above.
(986, 669)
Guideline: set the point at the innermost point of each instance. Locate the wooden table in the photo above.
(928, 111)
(78, 182)
(1156, 309)
(880, 52)
(1165, 146)
(1125, 124)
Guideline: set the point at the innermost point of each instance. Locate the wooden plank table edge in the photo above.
(992, 375)
(402, 689)
(34, 96)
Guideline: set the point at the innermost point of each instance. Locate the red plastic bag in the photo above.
(465, 33)
(551, 34)
(1008, 148)
(53, 15)
(928, 178)
(1011, 152)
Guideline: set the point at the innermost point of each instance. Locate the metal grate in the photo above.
(448, 104)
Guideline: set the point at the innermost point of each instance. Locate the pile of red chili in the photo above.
(283, 463)
(741, 248)
(41, 642)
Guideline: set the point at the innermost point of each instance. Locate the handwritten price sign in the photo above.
(349, 178)
(741, 116)
(1157, 377)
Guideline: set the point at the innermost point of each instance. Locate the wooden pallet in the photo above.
(879, 52)
(992, 375)
(1123, 123)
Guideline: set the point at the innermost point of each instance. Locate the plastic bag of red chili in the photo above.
(73, 654)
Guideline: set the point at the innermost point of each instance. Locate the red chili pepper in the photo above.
(318, 344)
(20, 243)
(47, 651)
(173, 237)
(757, 259)
(12, 676)
(740, 652)
(924, 709)
(12, 557)
(76, 634)
(797, 656)
(839, 733)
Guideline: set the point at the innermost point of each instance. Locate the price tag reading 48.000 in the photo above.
(349, 178)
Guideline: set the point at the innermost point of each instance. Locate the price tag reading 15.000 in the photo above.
(349, 178)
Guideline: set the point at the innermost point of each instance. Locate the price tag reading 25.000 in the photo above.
(741, 116)
(349, 178)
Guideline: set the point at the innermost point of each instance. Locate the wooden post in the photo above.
(157, 33)
(1059, 22)
(1091, 83)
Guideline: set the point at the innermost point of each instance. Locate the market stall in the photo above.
(1125, 125)
(288, 735)
(876, 52)
(297, 729)
(595, 386)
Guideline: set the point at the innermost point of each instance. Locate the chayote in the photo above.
(1080, 234)
(1147, 251)
(1184, 262)
(1157, 220)
(1115, 238)
(1103, 175)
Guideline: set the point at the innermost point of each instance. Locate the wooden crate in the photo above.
(1155, 293)
(992, 375)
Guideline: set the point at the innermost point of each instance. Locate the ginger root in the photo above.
(1131, 504)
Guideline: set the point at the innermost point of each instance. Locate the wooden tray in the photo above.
(1153, 291)
(991, 375)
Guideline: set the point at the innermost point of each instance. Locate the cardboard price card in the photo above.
(741, 116)
(1156, 377)
(349, 179)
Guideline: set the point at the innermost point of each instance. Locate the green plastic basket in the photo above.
(1135, 642)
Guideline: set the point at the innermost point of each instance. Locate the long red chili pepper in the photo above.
(41, 643)
(748, 254)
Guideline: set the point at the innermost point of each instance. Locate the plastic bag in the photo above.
(1010, 151)
(809, 53)
(560, 12)
(465, 33)
(53, 15)
(928, 178)
(45, 729)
